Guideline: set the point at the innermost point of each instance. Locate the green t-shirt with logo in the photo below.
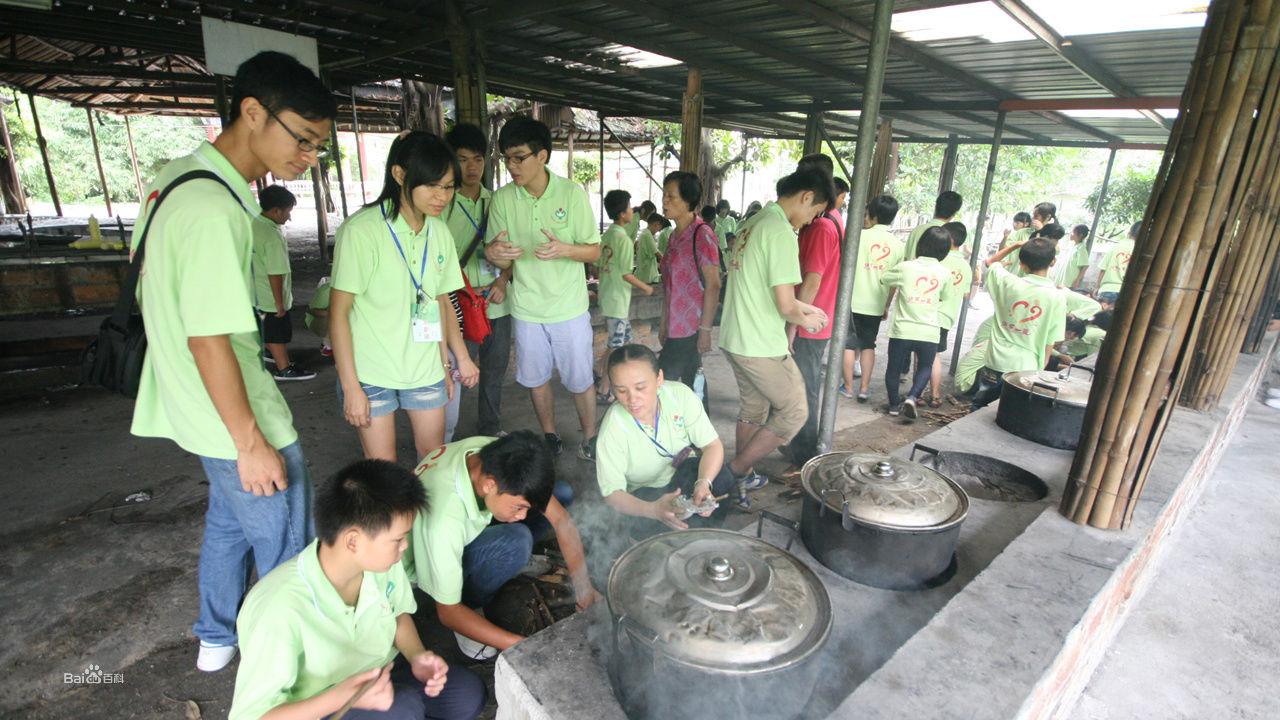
(270, 257)
(465, 217)
(617, 259)
(724, 226)
(960, 275)
(1114, 267)
(1079, 261)
(545, 291)
(878, 252)
(1012, 261)
(368, 265)
(913, 240)
(1030, 316)
(923, 285)
(647, 257)
(627, 456)
(197, 281)
(766, 253)
(319, 301)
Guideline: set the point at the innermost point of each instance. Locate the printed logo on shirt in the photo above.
(957, 278)
(1122, 262)
(1028, 313)
(560, 215)
(430, 461)
(607, 256)
(925, 287)
(877, 255)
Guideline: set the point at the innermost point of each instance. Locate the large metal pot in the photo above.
(1045, 407)
(712, 624)
(881, 520)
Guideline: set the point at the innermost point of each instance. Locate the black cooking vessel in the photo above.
(1040, 413)
(875, 554)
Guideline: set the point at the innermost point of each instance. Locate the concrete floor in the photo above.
(1203, 642)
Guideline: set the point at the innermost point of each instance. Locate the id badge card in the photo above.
(425, 322)
(489, 268)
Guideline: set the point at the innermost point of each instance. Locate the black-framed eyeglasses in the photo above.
(304, 144)
(516, 159)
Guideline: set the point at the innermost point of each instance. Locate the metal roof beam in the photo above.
(1113, 103)
(80, 69)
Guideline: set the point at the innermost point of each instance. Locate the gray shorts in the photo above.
(564, 347)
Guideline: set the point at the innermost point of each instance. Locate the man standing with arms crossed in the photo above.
(203, 384)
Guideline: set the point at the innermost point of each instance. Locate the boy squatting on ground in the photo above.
(339, 615)
(617, 277)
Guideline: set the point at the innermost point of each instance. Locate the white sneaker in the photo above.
(1273, 392)
(857, 368)
(1273, 403)
(474, 649)
(213, 658)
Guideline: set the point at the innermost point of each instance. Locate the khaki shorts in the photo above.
(770, 393)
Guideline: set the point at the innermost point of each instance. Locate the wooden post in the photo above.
(691, 123)
(882, 159)
(947, 176)
(97, 158)
(742, 199)
(15, 198)
(603, 215)
(337, 164)
(133, 160)
(812, 133)
(975, 250)
(568, 162)
(1180, 252)
(468, 67)
(322, 220)
(355, 128)
(44, 156)
(1102, 199)
(877, 58)
(650, 171)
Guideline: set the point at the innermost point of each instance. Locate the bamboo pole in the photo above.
(947, 175)
(690, 123)
(1179, 255)
(44, 156)
(1262, 318)
(882, 156)
(133, 158)
(97, 158)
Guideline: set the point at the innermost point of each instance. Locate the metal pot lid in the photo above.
(720, 600)
(1066, 386)
(882, 489)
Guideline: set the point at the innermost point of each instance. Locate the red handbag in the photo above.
(473, 312)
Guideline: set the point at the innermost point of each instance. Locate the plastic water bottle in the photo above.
(700, 384)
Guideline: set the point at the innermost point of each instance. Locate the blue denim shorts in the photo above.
(619, 330)
(384, 401)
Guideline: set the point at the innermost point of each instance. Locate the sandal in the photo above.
(935, 403)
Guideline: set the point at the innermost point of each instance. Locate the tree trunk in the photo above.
(421, 107)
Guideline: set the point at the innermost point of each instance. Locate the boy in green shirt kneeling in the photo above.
(333, 628)
(922, 287)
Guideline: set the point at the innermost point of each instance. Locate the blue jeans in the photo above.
(463, 697)
(238, 523)
(502, 550)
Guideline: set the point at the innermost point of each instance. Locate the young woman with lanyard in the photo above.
(657, 446)
(390, 316)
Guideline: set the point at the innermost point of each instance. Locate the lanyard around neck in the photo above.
(422, 271)
(657, 422)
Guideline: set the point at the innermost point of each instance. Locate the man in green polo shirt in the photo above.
(759, 302)
(541, 226)
(468, 218)
(203, 384)
(460, 557)
(945, 209)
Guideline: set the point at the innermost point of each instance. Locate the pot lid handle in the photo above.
(719, 568)
(884, 469)
(1052, 389)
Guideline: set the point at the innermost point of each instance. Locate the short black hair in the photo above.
(425, 159)
(722, 204)
(281, 83)
(819, 161)
(1022, 217)
(616, 202)
(948, 204)
(841, 185)
(1053, 231)
(276, 196)
(883, 209)
(959, 233)
(1075, 325)
(1103, 319)
(1134, 229)
(521, 464)
(808, 179)
(1045, 211)
(1038, 253)
(647, 205)
(631, 353)
(369, 495)
(465, 136)
(934, 243)
(525, 131)
(1080, 231)
(656, 218)
(708, 213)
(688, 187)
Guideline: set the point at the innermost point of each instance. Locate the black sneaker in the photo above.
(895, 410)
(293, 372)
(268, 358)
(554, 443)
(587, 450)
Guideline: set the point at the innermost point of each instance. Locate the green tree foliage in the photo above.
(1127, 197)
(586, 171)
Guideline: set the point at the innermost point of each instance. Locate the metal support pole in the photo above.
(602, 213)
(133, 159)
(976, 249)
(872, 87)
(1102, 199)
(604, 126)
(44, 155)
(947, 178)
(322, 220)
(355, 128)
(337, 163)
(97, 158)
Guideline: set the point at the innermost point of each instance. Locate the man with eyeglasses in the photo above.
(542, 226)
(203, 384)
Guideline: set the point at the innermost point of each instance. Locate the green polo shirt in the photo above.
(633, 226)
(960, 275)
(367, 264)
(909, 250)
(1012, 261)
(647, 257)
(878, 252)
(197, 282)
(1030, 315)
(766, 253)
(627, 453)
(270, 257)
(1079, 304)
(664, 239)
(724, 226)
(1087, 344)
(1114, 266)
(319, 301)
(617, 258)
(299, 638)
(465, 217)
(545, 291)
(454, 517)
(923, 286)
(1079, 261)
